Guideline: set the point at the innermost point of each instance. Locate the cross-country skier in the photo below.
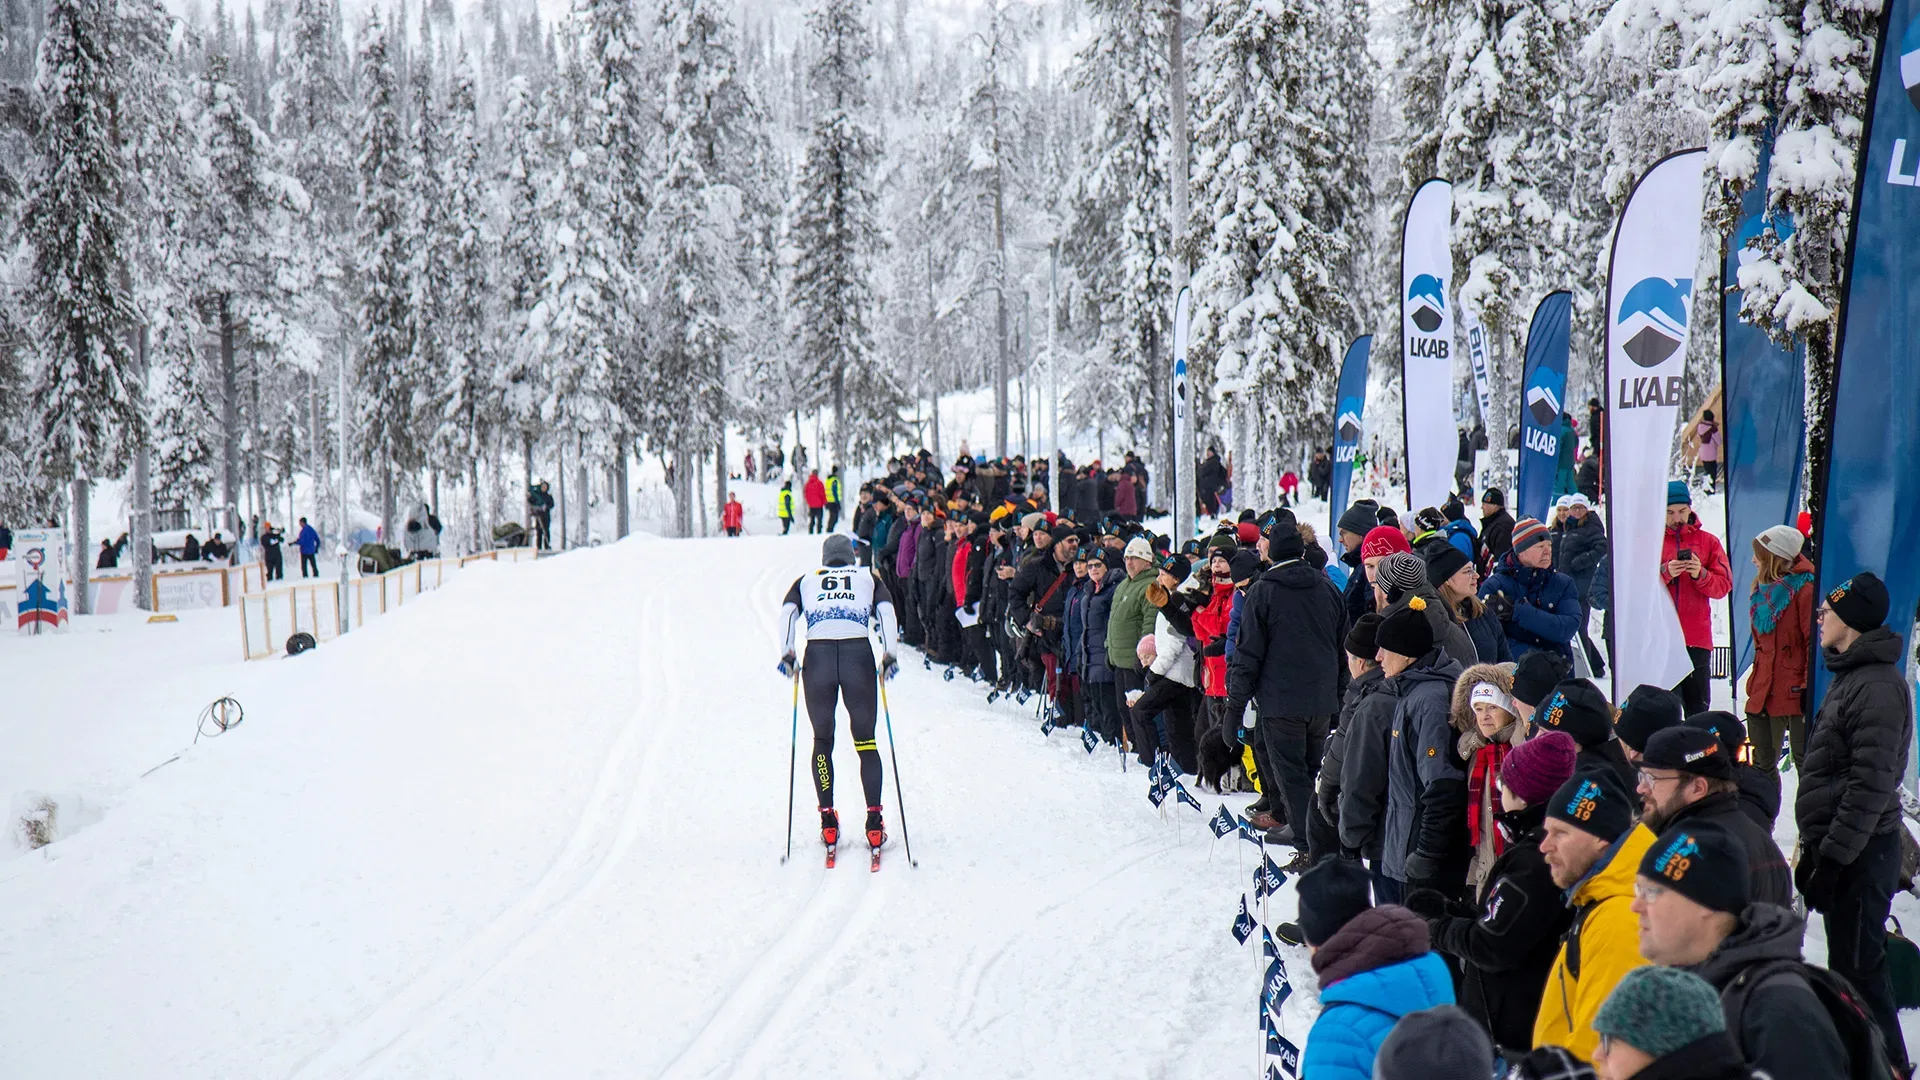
(838, 601)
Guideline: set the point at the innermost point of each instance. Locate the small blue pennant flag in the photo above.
(1273, 1072)
(1274, 1039)
(1277, 989)
(1221, 823)
(1156, 794)
(1243, 923)
(1249, 833)
(1267, 878)
(1266, 944)
(1087, 740)
(1180, 792)
(1289, 1056)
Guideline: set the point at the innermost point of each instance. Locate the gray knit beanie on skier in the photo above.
(837, 551)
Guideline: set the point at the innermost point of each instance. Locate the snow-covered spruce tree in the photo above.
(1120, 238)
(466, 399)
(835, 235)
(1507, 122)
(703, 294)
(384, 385)
(981, 176)
(582, 330)
(524, 184)
(310, 117)
(1423, 51)
(1272, 309)
(429, 284)
(86, 391)
(1816, 153)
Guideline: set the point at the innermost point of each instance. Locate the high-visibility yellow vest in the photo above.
(833, 489)
(786, 502)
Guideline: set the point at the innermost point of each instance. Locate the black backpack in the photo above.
(1866, 1045)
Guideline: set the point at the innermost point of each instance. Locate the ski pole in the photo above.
(893, 751)
(793, 757)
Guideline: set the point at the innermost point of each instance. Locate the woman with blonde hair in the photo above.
(1782, 612)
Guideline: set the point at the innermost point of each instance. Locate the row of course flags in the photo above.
(1868, 500)
(1279, 1057)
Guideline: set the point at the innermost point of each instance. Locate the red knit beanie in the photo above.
(1536, 768)
(1383, 540)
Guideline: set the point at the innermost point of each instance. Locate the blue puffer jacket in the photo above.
(1375, 970)
(1547, 612)
(1461, 535)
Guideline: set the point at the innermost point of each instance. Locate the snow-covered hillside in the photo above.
(531, 825)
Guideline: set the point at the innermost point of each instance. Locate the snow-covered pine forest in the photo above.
(511, 242)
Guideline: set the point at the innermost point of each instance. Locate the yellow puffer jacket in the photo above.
(1605, 945)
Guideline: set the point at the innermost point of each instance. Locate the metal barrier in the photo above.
(267, 619)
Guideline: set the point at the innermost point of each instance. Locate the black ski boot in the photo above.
(829, 827)
(876, 829)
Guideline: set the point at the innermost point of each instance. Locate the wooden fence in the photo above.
(268, 618)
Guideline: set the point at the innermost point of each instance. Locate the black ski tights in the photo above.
(836, 671)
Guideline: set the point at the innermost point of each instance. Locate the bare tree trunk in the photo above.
(701, 492)
(720, 470)
(586, 498)
(140, 529)
(229, 422)
(622, 503)
(387, 533)
(560, 467)
(313, 443)
(82, 603)
(258, 463)
(1177, 473)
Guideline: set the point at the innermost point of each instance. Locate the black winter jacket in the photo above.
(1611, 755)
(1290, 658)
(1327, 796)
(1496, 535)
(1770, 880)
(1856, 750)
(1711, 1058)
(1784, 1029)
(1507, 942)
(1759, 794)
(1365, 733)
(926, 563)
(1579, 551)
(1358, 597)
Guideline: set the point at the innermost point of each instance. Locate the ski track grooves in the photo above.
(603, 833)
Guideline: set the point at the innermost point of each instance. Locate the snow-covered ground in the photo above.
(530, 825)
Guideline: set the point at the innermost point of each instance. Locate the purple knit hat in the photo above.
(1537, 767)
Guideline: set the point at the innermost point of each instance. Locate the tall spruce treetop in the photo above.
(837, 236)
(85, 391)
(1120, 241)
(310, 107)
(464, 395)
(525, 189)
(1272, 309)
(386, 384)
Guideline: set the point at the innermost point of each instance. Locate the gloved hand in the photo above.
(889, 667)
(1426, 903)
(1817, 877)
(1501, 605)
(972, 609)
(788, 665)
(1247, 721)
(1422, 868)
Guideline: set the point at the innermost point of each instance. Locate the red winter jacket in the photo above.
(1691, 597)
(957, 573)
(731, 515)
(1209, 623)
(1782, 657)
(815, 492)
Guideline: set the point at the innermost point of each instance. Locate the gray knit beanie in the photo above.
(1443, 1043)
(1659, 1010)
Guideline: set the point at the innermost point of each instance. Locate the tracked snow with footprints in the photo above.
(532, 826)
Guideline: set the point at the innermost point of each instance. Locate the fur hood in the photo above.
(1500, 675)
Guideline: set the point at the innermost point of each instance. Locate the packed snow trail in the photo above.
(531, 825)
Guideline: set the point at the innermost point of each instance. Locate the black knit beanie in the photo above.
(1860, 601)
(1537, 673)
(1361, 640)
(1647, 710)
(1595, 801)
(1444, 561)
(1331, 894)
(1360, 518)
(1578, 708)
(1703, 862)
(1406, 631)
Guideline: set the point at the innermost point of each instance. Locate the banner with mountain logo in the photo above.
(1543, 394)
(1426, 345)
(1656, 248)
(1348, 422)
(1871, 508)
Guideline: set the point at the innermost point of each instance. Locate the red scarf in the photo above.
(1485, 772)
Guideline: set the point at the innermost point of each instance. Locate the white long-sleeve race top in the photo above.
(839, 603)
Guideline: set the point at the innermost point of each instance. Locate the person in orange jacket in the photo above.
(1696, 572)
(733, 515)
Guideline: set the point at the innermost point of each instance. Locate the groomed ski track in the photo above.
(531, 826)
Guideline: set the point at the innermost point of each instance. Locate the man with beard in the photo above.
(1686, 778)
